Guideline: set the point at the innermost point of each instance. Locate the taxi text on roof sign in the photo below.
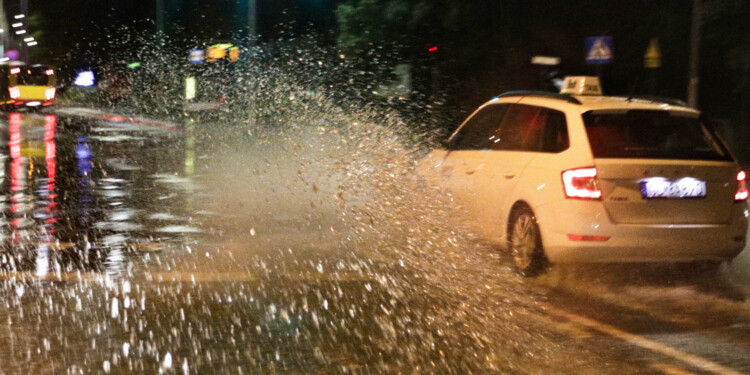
(581, 85)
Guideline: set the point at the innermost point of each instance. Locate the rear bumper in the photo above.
(35, 96)
(635, 243)
(32, 103)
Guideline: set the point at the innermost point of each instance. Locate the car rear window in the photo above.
(643, 134)
(33, 77)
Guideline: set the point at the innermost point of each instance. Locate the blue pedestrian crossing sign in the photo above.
(599, 50)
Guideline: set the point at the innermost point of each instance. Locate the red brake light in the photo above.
(50, 93)
(581, 183)
(581, 237)
(49, 72)
(15, 70)
(742, 192)
(15, 92)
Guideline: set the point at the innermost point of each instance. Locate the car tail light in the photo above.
(581, 237)
(15, 92)
(49, 93)
(49, 72)
(15, 70)
(742, 192)
(581, 183)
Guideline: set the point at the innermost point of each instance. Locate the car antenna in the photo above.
(635, 86)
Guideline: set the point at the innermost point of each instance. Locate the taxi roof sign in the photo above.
(581, 85)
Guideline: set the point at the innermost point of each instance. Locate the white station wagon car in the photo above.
(581, 177)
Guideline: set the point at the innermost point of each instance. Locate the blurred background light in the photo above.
(85, 79)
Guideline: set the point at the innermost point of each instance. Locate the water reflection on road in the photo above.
(76, 198)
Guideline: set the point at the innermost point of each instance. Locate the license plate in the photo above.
(680, 189)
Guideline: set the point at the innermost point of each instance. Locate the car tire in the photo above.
(525, 243)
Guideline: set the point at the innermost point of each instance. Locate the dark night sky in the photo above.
(221, 16)
(63, 26)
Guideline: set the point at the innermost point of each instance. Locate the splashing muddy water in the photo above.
(290, 234)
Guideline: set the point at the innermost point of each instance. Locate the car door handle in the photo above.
(471, 172)
(509, 175)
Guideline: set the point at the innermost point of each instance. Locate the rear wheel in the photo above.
(525, 243)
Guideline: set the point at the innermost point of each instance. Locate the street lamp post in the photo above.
(4, 30)
(24, 6)
(695, 34)
(160, 16)
(252, 26)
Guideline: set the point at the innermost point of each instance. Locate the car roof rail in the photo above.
(659, 99)
(541, 94)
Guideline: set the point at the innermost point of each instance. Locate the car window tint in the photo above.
(651, 135)
(33, 77)
(555, 137)
(520, 129)
(479, 129)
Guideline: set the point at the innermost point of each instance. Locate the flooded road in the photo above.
(137, 246)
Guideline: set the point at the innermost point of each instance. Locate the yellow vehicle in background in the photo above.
(31, 85)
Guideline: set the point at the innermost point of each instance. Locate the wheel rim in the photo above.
(524, 241)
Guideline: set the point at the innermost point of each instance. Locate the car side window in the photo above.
(478, 131)
(555, 135)
(529, 128)
(520, 129)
